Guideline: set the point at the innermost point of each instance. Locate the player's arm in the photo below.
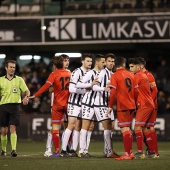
(153, 87)
(73, 82)
(97, 87)
(136, 89)
(46, 86)
(84, 82)
(51, 89)
(41, 90)
(73, 89)
(112, 93)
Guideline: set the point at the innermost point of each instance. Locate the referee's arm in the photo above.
(27, 93)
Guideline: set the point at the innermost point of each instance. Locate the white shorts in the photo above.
(112, 117)
(65, 118)
(87, 112)
(73, 110)
(101, 114)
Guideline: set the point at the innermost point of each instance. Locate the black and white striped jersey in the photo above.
(88, 98)
(102, 97)
(76, 94)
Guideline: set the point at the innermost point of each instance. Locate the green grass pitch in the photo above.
(30, 157)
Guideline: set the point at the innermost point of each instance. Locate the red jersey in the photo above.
(142, 90)
(122, 87)
(60, 81)
(153, 87)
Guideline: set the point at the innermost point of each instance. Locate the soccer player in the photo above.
(48, 151)
(122, 88)
(74, 106)
(101, 105)
(145, 107)
(87, 82)
(59, 79)
(11, 87)
(154, 92)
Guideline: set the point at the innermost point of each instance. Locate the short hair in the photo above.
(142, 61)
(65, 56)
(98, 57)
(87, 55)
(58, 61)
(120, 61)
(10, 61)
(134, 61)
(110, 55)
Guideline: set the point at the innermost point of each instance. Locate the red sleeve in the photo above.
(112, 97)
(136, 94)
(154, 92)
(153, 87)
(113, 90)
(42, 89)
(136, 88)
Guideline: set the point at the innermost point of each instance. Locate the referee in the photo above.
(11, 87)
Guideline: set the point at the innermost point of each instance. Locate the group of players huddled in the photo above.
(87, 95)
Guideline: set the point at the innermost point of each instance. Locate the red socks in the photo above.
(128, 141)
(56, 140)
(139, 140)
(151, 139)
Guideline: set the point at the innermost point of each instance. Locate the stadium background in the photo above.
(14, 16)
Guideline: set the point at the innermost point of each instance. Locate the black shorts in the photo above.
(9, 114)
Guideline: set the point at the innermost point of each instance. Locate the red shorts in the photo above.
(125, 118)
(58, 113)
(145, 117)
(155, 115)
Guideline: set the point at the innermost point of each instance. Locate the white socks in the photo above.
(75, 140)
(65, 138)
(83, 138)
(88, 141)
(107, 142)
(49, 142)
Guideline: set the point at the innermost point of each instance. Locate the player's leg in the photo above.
(73, 113)
(89, 133)
(83, 136)
(57, 120)
(76, 136)
(87, 116)
(67, 133)
(125, 121)
(150, 135)
(139, 133)
(49, 142)
(112, 131)
(127, 142)
(65, 124)
(155, 142)
(107, 137)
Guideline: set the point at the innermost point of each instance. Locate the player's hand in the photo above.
(88, 90)
(108, 84)
(109, 110)
(95, 82)
(107, 89)
(25, 100)
(31, 97)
